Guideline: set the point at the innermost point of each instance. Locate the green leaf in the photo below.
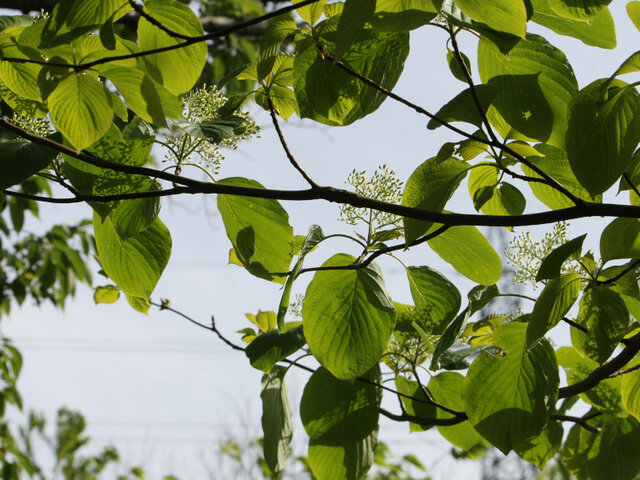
(20, 78)
(446, 389)
(501, 15)
(599, 32)
(259, 231)
(135, 264)
(133, 216)
(429, 188)
(607, 454)
(553, 75)
(583, 11)
(508, 395)
(348, 317)
(20, 159)
(178, 69)
(434, 296)
(80, 108)
(491, 196)
(542, 448)
(277, 31)
(463, 108)
(551, 265)
(312, 13)
(605, 396)
(553, 161)
(329, 95)
(271, 347)
(342, 462)
(603, 133)
(92, 12)
(630, 390)
(455, 68)
(478, 297)
(417, 405)
(148, 99)
(277, 426)
(265, 321)
(106, 294)
(469, 252)
(633, 10)
(605, 315)
(403, 15)
(338, 412)
(552, 305)
(351, 22)
(620, 239)
(215, 131)
(283, 99)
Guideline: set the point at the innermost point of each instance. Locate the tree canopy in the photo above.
(87, 97)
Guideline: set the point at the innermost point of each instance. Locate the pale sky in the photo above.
(164, 392)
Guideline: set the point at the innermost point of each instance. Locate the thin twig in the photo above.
(582, 421)
(627, 179)
(613, 280)
(285, 147)
(570, 322)
(625, 371)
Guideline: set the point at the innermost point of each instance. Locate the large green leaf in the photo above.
(542, 448)
(533, 60)
(430, 187)
(81, 110)
(342, 462)
(135, 264)
(403, 15)
(469, 252)
(277, 427)
(605, 315)
(446, 389)
(259, 231)
(277, 31)
(606, 454)
(435, 297)
(630, 390)
(348, 317)
(178, 69)
(603, 133)
(89, 12)
(341, 419)
(338, 412)
(351, 22)
(133, 216)
(620, 239)
(502, 15)
(553, 161)
(605, 396)
(148, 99)
(508, 395)
(463, 108)
(330, 95)
(552, 305)
(584, 10)
(20, 159)
(599, 32)
(20, 78)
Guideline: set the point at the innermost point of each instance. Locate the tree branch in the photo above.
(285, 147)
(632, 347)
(582, 421)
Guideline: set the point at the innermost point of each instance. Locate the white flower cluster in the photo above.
(384, 185)
(527, 254)
(202, 105)
(38, 126)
